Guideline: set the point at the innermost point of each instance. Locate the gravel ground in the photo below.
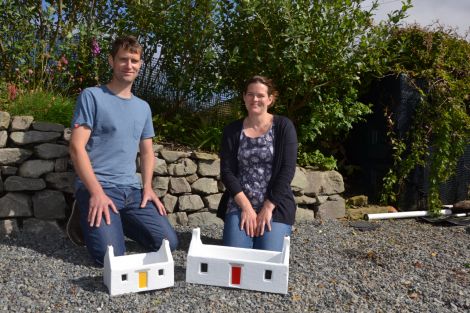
(403, 266)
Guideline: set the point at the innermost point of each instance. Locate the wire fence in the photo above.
(152, 85)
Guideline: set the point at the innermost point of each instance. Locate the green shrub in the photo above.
(441, 125)
(43, 106)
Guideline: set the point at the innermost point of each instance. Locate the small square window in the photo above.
(268, 274)
(160, 272)
(124, 277)
(203, 267)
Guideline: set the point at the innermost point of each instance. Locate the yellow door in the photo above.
(142, 279)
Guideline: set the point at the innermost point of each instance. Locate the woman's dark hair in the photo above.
(272, 91)
(128, 43)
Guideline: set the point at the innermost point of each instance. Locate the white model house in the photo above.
(139, 272)
(237, 267)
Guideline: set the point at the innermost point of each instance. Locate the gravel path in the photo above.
(403, 266)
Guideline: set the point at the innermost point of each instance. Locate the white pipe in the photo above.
(383, 216)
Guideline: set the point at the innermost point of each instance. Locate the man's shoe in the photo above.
(74, 231)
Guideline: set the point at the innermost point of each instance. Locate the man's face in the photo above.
(125, 65)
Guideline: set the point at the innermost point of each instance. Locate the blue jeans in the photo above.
(271, 240)
(143, 225)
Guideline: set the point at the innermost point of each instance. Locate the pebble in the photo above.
(403, 266)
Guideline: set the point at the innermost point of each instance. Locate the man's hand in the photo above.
(149, 195)
(99, 206)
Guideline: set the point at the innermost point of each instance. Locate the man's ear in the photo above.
(110, 60)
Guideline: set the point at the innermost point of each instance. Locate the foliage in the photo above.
(43, 105)
(202, 131)
(441, 124)
(49, 46)
(179, 48)
(318, 158)
(315, 52)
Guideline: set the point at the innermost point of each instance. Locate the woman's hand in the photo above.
(248, 221)
(264, 217)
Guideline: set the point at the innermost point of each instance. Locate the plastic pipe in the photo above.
(384, 216)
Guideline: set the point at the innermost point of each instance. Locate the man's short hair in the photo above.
(128, 43)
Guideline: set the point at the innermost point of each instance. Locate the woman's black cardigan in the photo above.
(285, 160)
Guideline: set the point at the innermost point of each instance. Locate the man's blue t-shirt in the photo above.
(117, 126)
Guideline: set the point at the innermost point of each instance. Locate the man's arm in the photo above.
(147, 161)
(99, 201)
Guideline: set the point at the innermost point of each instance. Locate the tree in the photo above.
(315, 51)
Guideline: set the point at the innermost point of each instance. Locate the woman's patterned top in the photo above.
(255, 159)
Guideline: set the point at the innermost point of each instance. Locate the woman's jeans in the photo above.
(271, 240)
(144, 225)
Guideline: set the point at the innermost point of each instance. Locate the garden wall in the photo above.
(36, 181)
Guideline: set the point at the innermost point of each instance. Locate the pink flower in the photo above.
(12, 91)
(95, 48)
(30, 72)
(64, 60)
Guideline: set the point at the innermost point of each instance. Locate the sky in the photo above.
(453, 13)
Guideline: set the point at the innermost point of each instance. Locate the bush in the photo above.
(441, 124)
(43, 106)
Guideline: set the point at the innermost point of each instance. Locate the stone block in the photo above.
(61, 181)
(48, 127)
(35, 168)
(205, 186)
(51, 151)
(302, 215)
(179, 185)
(192, 178)
(169, 201)
(299, 182)
(209, 168)
(61, 164)
(4, 120)
(205, 156)
(10, 156)
(66, 134)
(16, 204)
(7, 170)
(160, 185)
(184, 167)
(304, 200)
(17, 183)
(160, 167)
(324, 183)
(173, 156)
(212, 201)
(202, 219)
(178, 218)
(8, 227)
(190, 203)
(331, 209)
(21, 123)
(33, 136)
(3, 138)
(49, 204)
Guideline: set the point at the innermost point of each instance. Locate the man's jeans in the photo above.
(271, 240)
(144, 225)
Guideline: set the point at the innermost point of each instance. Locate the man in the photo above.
(109, 127)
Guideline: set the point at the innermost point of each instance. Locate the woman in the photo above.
(257, 160)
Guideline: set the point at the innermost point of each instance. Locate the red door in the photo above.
(236, 274)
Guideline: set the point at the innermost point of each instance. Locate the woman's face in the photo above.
(257, 100)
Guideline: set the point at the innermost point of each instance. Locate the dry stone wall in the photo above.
(36, 180)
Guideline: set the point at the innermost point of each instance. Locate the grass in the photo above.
(45, 106)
